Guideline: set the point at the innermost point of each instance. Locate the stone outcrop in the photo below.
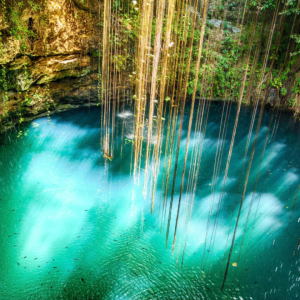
(91, 6)
(59, 28)
(57, 61)
(46, 69)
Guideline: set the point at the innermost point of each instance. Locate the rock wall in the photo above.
(56, 65)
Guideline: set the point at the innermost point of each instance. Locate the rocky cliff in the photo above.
(49, 56)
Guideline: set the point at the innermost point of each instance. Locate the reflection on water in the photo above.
(74, 225)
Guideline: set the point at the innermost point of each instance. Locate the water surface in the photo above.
(74, 225)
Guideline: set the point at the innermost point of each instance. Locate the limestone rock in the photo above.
(46, 69)
(60, 27)
(88, 5)
(272, 97)
(9, 50)
(20, 63)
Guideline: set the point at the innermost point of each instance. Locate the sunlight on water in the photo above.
(74, 224)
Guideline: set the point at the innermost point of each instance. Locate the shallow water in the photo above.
(75, 225)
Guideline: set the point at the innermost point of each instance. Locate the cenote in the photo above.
(149, 149)
(75, 225)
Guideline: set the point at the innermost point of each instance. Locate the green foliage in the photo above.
(120, 62)
(291, 8)
(3, 87)
(18, 29)
(95, 53)
(292, 102)
(296, 37)
(35, 6)
(296, 89)
(269, 4)
(4, 10)
(283, 91)
(277, 83)
(227, 43)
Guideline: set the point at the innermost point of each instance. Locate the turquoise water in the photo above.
(74, 225)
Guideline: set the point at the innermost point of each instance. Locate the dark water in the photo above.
(75, 226)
